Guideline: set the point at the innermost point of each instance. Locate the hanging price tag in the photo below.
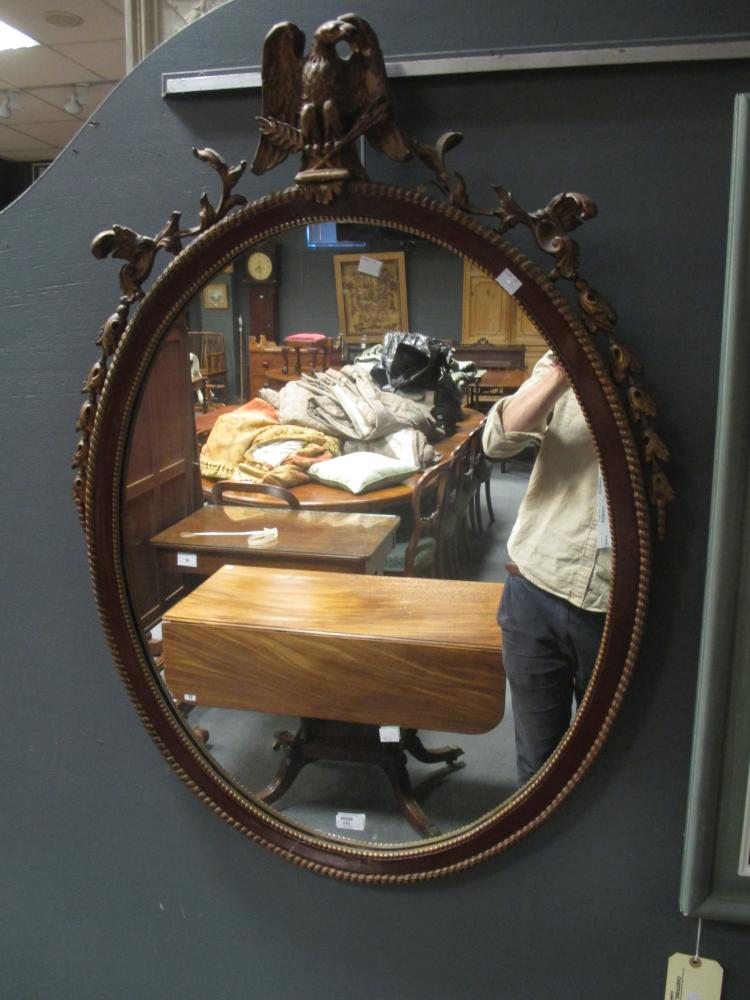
(390, 734)
(507, 280)
(689, 978)
(603, 535)
(370, 265)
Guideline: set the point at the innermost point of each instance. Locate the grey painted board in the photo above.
(498, 61)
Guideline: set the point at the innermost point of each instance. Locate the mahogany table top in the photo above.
(418, 653)
(347, 542)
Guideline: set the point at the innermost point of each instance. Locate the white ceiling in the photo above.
(44, 76)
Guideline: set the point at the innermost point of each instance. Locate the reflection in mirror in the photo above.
(237, 392)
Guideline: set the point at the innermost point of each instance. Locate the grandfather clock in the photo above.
(262, 281)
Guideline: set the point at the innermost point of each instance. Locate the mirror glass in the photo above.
(347, 284)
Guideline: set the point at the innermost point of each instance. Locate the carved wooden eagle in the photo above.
(321, 103)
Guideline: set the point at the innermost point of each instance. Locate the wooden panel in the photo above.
(162, 480)
(352, 648)
(490, 312)
(263, 311)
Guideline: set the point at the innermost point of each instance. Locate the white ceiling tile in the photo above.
(41, 66)
(36, 109)
(11, 139)
(56, 134)
(29, 155)
(105, 58)
(100, 20)
(55, 98)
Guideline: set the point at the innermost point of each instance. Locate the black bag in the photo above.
(414, 361)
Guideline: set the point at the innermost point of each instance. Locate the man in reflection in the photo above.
(554, 601)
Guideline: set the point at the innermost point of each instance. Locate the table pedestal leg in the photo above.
(318, 739)
(436, 755)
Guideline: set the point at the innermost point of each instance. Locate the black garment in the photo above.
(549, 651)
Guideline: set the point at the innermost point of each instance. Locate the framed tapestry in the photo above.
(370, 295)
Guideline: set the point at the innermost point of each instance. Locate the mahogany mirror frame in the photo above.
(100, 498)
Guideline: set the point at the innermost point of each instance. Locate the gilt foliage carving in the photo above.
(140, 253)
(550, 226)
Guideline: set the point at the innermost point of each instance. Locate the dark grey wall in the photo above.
(116, 882)
(307, 294)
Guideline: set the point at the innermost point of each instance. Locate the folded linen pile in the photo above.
(250, 444)
(348, 404)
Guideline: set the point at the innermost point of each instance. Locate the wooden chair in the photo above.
(459, 508)
(266, 489)
(209, 348)
(484, 475)
(477, 470)
(419, 555)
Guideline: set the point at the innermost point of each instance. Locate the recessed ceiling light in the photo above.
(63, 19)
(12, 38)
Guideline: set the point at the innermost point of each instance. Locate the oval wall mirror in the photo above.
(323, 666)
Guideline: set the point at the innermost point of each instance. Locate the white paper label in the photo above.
(390, 734)
(368, 265)
(190, 698)
(187, 559)
(350, 821)
(603, 536)
(507, 280)
(690, 980)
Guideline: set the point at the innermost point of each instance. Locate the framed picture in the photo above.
(215, 296)
(716, 864)
(370, 295)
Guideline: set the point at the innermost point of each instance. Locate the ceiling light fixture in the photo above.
(9, 102)
(12, 38)
(63, 19)
(77, 100)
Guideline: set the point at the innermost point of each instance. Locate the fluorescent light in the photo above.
(12, 38)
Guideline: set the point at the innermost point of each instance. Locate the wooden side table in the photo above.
(335, 649)
(329, 541)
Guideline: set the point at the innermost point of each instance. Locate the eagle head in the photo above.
(334, 31)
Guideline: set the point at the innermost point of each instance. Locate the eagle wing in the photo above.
(369, 88)
(283, 57)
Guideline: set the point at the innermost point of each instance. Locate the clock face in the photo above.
(259, 266)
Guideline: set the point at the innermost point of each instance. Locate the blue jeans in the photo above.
(549, 651)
